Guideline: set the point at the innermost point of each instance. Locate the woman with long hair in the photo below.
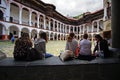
(21, 47)
(40, 45)
(101, 48)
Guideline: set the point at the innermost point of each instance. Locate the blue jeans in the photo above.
(48, 55)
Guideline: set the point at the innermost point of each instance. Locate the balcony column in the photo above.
(80, 29)
(19, 34)
(66, 28)
(20, 15)
(57, 27)
(44, 22)
(97, 26)
(49, 22)
(77, 29)
(92, 27)
(7, 11)
(53, 25)
(83, 28)
(87, 28)
(69, 28)
(30, 17)
(63, 28)
(105, 14)
(74, 29)
(38, 35)
(30, 31)
(38, 18)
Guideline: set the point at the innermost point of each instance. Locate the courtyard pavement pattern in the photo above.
(7, 48)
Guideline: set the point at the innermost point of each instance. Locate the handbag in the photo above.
(66, 55)
(33, 54)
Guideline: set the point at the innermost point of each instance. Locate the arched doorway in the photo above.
(25, 30)
(14, 30)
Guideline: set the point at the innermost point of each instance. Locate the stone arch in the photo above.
(26, 30)
(41, 31)
(14, 30)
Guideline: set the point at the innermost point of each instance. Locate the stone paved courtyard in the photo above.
(53, 47)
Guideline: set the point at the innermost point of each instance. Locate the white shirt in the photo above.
(85, 47)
